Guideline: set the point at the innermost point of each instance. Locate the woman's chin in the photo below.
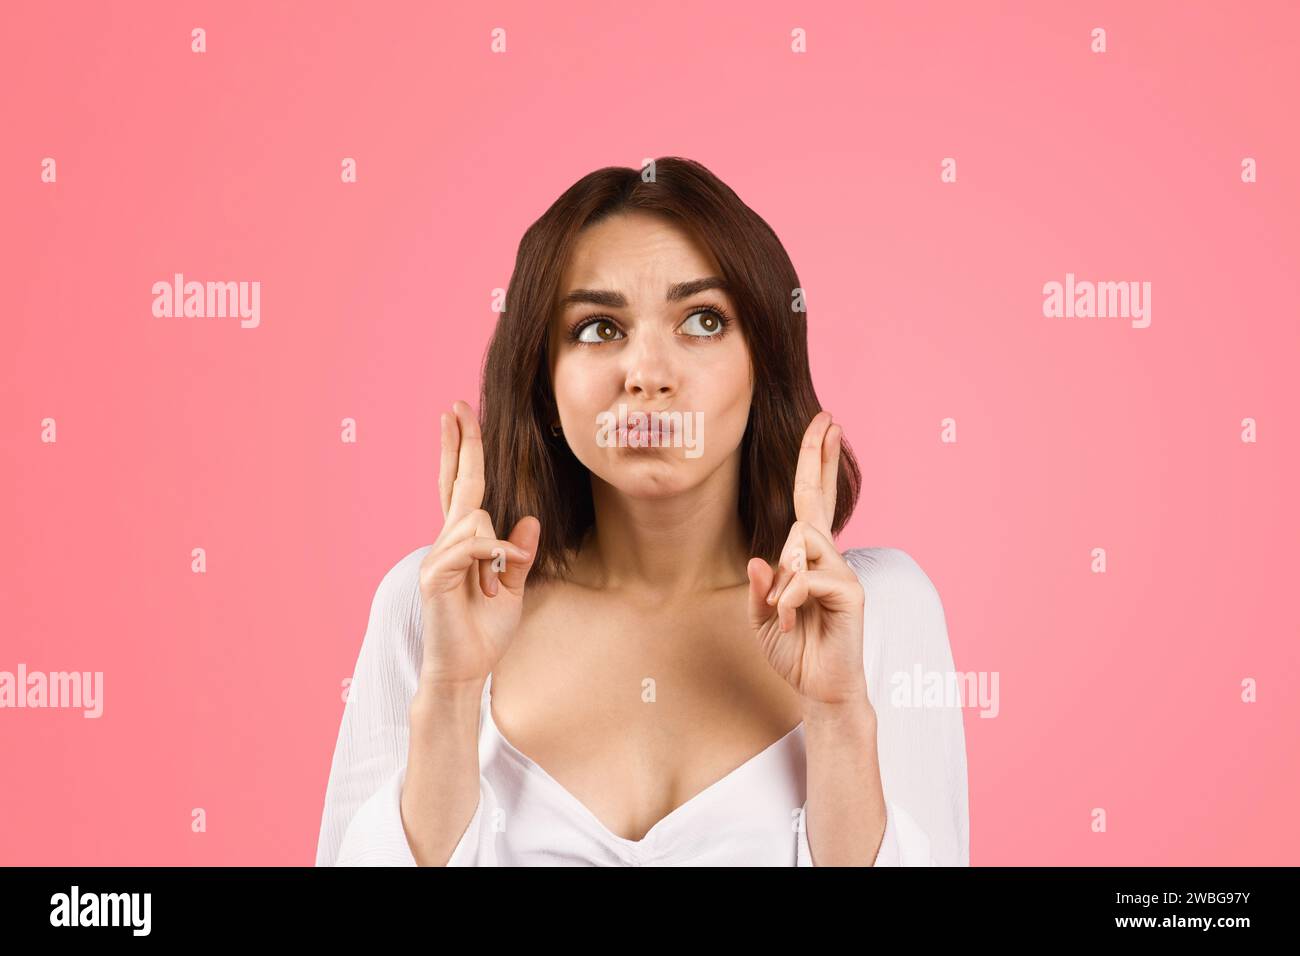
(650, 479)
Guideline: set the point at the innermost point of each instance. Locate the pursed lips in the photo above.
(666, 426)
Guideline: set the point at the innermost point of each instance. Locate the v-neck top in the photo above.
(753, 816)
(767, 786)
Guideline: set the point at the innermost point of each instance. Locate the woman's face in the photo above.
(636, 327)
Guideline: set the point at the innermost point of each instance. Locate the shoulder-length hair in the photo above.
(528, 471)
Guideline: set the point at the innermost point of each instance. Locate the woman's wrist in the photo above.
(852, 713)
(455, 702)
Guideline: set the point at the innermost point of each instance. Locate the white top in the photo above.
(751, 817)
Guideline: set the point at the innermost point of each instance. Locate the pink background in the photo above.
(223, 690)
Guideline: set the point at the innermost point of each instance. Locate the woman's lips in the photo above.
(644, 435)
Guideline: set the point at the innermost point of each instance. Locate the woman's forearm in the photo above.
(440, 790)
(845, 816)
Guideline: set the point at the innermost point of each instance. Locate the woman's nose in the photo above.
(651, 372)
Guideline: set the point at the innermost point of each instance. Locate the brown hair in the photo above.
(527, 470)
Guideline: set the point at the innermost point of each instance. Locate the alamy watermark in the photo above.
(208, 300)
(1098, 300)
(76, 908)
(918, 688)
(651, 430)
(60, 689)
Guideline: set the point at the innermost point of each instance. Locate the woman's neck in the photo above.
(666, 548)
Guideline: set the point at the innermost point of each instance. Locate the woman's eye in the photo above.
(707, 323)
(602, 330)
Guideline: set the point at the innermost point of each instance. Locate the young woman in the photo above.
(634, 641)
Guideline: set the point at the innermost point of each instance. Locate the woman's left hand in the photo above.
(807, 613)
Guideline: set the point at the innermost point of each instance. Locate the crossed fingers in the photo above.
(809, 545)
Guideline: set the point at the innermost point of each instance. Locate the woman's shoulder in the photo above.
(896, 586)
(891, 578)
(407, 568)
(893, 567)
(397, 596)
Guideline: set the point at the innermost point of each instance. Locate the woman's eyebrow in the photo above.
(616, 300)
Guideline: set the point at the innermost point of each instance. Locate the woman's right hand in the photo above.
(470, 609)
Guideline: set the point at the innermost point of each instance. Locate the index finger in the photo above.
(831, 470)
(809, 500)
(450, 440)
(467, 489)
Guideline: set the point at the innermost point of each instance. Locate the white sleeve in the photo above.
(376, 836)
(922, 749)
(362, 821)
